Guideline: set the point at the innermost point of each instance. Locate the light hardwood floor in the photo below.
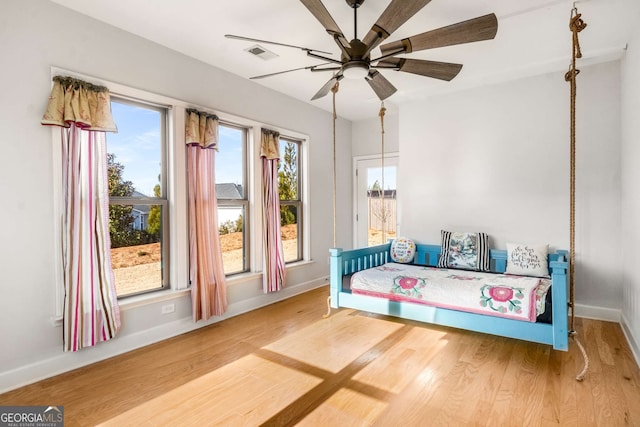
(285, 365)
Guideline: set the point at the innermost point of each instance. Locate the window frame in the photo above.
(298, 203)
(244, 202)
(150, 201)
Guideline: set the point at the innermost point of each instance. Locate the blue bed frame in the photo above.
(347, 262)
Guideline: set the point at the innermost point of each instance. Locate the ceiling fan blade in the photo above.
(321, 13)
(327, 87)
(437, 70)
(310, 67)
(249, 39)
(397, 13)
(326, 69)
(476, 29)
(380, 85)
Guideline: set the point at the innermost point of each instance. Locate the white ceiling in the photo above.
(533, 38)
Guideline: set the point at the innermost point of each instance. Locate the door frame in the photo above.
(354, 205)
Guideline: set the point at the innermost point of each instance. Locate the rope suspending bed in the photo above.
(576, 24)
(334, 91)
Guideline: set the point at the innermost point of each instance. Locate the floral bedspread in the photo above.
(502, 295)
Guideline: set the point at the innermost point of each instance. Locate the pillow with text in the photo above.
(527, 260)
(403, 250)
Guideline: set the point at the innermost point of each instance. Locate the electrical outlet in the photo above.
(168, 308)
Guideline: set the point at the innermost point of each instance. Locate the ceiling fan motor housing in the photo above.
(356, 65)
(357, 51)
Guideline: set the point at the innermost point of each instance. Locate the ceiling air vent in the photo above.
(261, 52)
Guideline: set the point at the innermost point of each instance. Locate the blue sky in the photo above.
(229, 156)
(374, 174)
(137, 147)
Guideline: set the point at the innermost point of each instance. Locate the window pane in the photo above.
(232, 238)
(135, 152)
(135, 170)
(230, 163)
(290, 230)
(288, 171)
(382, 215)
(136, 247)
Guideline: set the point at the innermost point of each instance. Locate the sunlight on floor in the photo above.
(345, 408)
(336, 341)
(335, 371)
(407, 360)
(262, 389)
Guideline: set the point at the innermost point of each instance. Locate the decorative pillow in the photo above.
(403, 250)
(527, 260)
(469, 251)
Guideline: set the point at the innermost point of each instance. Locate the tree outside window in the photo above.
(290, 200)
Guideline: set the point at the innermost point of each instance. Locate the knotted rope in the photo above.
(384, 209)
(576, 25)
(334, 90)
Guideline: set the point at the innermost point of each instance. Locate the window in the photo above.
(233, 202)
(138, 207)
(289, 188)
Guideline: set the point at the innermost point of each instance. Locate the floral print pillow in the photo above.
(469, 251)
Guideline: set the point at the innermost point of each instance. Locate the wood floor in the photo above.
(285, 365)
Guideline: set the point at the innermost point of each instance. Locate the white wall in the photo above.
(630, 191)
(496, 159)
(366, 134)
(36, 35)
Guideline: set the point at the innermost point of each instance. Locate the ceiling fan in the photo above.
(356, 62)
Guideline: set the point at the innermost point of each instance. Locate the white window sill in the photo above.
(299, 264)
(151, 298)
(248, 276)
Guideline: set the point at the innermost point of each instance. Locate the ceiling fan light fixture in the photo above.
(355, 70)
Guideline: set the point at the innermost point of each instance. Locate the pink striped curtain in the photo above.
(273, 271)
(91, 312)
(206, 271)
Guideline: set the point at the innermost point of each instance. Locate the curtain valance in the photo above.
(201, 129)
(270, 144)
(79, 102)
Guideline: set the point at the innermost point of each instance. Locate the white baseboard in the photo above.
(598, 313)
(64, 362)
(633, 343)
(611, 315)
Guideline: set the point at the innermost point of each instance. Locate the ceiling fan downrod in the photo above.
(355, 4)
